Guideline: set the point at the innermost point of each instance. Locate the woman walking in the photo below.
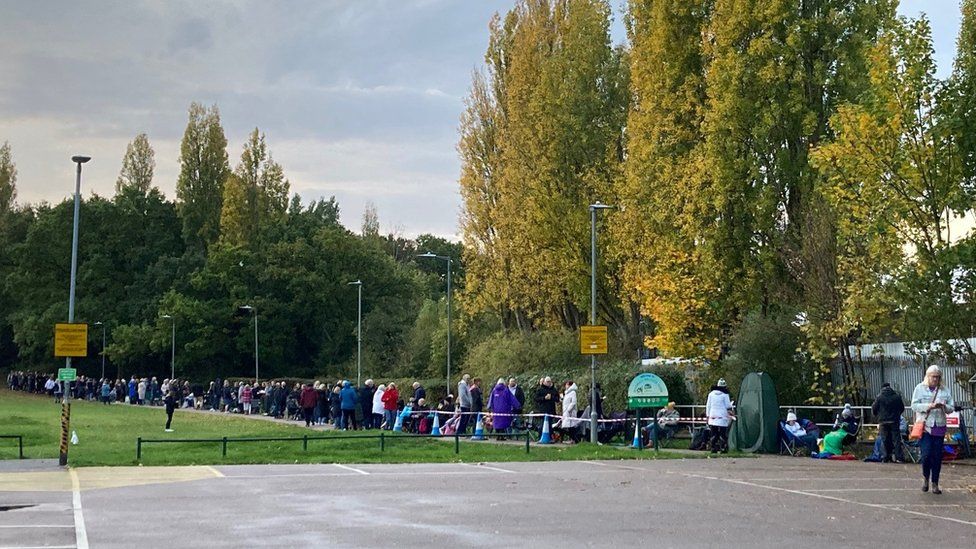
(931, 402)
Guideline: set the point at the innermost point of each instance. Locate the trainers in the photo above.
(169, 430)
(935, 489)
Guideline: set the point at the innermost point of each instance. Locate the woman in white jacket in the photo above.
(378, 405)
(569, 424)
(718, 409)
(931, 403)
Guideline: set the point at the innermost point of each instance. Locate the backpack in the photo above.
(700, 438)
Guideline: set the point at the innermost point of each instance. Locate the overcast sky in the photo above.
(359, 99)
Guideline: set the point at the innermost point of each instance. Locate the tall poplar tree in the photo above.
(254, 195)
(8, 181)
(203, 170)
(138, 165)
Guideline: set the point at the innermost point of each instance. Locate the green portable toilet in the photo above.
(756, 428)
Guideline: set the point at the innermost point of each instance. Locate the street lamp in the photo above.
(359, 333)
(254, 310)
(100, 323)
(172, 362)
(594, 208)
(65, 404)
(432, 255)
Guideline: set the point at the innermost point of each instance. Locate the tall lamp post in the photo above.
(254, 310)
(447, 259)
(102, 324)
(172, 360)
(359, 333)
(594, 424)
(66, 403)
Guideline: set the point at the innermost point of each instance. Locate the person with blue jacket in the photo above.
(348, 398)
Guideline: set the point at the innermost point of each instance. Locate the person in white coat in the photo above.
(569, 423)
(718, 409)
(378, 405)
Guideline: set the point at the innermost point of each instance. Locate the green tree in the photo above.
(256, 194)
(138, 165)
(203, 171)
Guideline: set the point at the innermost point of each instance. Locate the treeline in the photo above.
(234, 236)
(790, 178)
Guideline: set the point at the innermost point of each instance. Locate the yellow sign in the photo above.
(70, 340)
(593, 340)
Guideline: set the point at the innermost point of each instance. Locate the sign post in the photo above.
(70, 340)
(647, 391)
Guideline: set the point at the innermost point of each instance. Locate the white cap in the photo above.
(791, 417)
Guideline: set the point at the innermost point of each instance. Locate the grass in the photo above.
(107, 436)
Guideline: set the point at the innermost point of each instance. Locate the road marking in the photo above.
(832, 498)
(483, 466)
(348, 468)
(216, 473)
(878, 490)
(39, 547)
(614, 465)
(81, 536)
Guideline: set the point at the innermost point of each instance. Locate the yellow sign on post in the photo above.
(593, 340)
(70, 340)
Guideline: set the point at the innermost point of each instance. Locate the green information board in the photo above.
(67, 374)
(647, 391)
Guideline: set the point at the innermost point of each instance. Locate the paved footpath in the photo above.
(765, 502)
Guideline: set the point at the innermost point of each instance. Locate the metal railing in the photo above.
(382, 437)
(20, 444)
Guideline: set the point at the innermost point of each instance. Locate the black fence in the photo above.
(382, 437)
(20, 444)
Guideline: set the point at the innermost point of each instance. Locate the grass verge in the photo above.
(107, 436)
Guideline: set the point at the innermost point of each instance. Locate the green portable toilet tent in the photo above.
(757, 410)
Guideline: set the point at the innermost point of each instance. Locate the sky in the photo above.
(358, 99)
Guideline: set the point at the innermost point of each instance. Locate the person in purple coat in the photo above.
(503, 403)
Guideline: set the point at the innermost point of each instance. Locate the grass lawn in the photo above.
(107, 436)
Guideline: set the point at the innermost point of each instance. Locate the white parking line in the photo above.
(348, 468)
(81, 536)
(832, 498)
(616, 466)
(483, 466)
(39, 547)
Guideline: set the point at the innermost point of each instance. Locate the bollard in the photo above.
(457, 443)
(305, 442)
(382, 442)
(224, 447)
(139, 448)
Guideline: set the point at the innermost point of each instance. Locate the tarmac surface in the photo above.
(764, 502)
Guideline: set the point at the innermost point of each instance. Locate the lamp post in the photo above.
(359, 333)
(254, 310)
(432, 255)
(66, 402)
(172, 361)
(594, 425)
(102, 324)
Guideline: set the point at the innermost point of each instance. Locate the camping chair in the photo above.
(611, 430)
(790, 443)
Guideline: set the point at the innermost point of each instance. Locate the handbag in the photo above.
(919, 426)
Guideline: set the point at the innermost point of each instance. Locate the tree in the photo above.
(961, 95)
(203, 171)
(371, 221)
(894, 178)
(138, 165)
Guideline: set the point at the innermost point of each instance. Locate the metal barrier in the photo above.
(20, 444)
(382, 437)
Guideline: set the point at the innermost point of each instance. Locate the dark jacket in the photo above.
(170, 404)
(366, 400)
(308, 398)
(544, 406)
(419, 393)
(476, 402)
(888, 407)
(520, 397)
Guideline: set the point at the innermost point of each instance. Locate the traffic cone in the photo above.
(479, 429)
(398, 424)
(637, 440)
(436, 430)
(546, 437)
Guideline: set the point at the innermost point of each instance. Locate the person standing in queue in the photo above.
(170, 402)
(718, 409)
(931, 403)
